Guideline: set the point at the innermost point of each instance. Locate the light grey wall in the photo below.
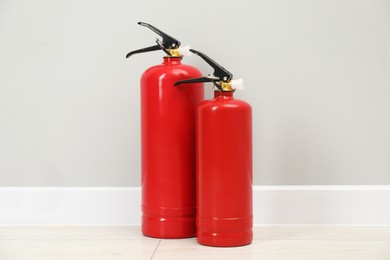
(317, 74)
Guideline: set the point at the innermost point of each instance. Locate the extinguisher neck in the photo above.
(172, 60)
(218, 93)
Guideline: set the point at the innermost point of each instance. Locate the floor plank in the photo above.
(273, 243)
(277, 249)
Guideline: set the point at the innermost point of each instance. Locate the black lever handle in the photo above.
(197, 80)
(151, 48)
(168, 42)
(219, 71)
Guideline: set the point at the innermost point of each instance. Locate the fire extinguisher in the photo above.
(168, 142)
(224, 162)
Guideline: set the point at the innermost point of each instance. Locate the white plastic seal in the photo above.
(237, 84)
(185, 50)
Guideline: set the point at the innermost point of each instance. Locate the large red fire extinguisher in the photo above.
(224, 163)
(168, 143)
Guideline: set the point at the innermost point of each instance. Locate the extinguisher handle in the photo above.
(219, 71)
(195, 80)
(167, 44)
(202, 79)
(151, 48)
(167, 41)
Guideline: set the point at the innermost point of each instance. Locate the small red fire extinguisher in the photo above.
(224, 162)
(168, 143)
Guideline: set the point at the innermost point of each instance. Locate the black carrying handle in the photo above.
(168, 42)
(195, 80)
(198, 80)
(151, 48)
(219, 71)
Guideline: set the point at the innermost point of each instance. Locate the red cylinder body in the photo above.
(168, 149)
(224, 171)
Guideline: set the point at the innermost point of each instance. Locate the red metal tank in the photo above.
(168, 143)
(168, 149)
(224, 162)
(224, 171)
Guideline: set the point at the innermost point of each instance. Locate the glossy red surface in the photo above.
(224, 171)
(168, 149)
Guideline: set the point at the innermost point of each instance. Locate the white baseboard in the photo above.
(272, 205)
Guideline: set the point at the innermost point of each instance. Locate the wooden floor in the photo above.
(290, 243)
